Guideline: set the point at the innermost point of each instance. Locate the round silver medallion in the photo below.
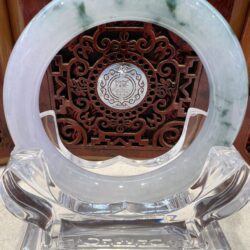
(122, 86)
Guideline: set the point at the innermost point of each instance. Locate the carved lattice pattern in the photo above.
(89, 127)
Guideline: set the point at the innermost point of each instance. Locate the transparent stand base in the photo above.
(60, 219)
(124, 235)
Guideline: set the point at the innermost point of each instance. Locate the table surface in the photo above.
(236, 229)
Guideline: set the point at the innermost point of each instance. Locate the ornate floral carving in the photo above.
(172, 70)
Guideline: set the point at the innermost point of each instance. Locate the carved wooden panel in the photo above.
(67, 96)
(88, 125)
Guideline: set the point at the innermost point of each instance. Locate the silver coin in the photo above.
(122, 86)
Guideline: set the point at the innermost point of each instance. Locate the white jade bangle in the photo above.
(193, 20)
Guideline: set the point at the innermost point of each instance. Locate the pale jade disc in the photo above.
(193, 20)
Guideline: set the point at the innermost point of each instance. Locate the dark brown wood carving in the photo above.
(88, 126)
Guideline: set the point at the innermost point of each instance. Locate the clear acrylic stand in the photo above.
(186, 221)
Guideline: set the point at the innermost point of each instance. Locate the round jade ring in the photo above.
(196, 22)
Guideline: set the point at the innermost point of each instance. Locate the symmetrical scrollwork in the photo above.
(172, 70)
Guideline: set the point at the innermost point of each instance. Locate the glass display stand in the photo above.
(150, 235)
(169, 202)
(169, 224)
